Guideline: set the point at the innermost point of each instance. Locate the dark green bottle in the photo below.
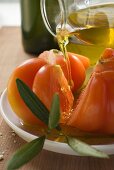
(35, 37)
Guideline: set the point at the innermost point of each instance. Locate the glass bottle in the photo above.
(35, 37)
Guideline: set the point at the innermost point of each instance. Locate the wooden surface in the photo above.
(11, 55)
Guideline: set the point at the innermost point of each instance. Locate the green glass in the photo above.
(35, 37)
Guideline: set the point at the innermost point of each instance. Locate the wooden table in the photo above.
(11, 55)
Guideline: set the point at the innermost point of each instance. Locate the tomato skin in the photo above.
(84, 60)
(88, 115)
(77, 70)
(94, 111)
(108, 53)
(25, 72)
(48, 80)
(78, 65)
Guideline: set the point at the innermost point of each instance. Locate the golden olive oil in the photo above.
(62, 37)
(90, 30)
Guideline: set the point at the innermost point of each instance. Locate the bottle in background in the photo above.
(35, 37)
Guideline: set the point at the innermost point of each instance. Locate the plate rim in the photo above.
(63, 147)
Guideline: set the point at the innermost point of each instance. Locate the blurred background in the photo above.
(26, 15)
(10, 13)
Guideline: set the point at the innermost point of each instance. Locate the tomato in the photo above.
(85, 61)
(26, 72)
(30, 73)
(48, 80)
(94, 111)
(78, 64)
(108, 53)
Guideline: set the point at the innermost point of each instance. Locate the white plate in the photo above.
(14, 122)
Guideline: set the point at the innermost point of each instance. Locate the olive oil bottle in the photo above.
(35, 36)
(90, 30)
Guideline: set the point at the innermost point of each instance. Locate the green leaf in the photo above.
(54, 115)
(26, 153)
(32, 101)
(84, 149)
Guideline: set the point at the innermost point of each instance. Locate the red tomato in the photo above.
(78, 65)
(95, 109)
(48, 80)
(85, 61)
(26, 72)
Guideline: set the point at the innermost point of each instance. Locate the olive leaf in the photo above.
(54, 115)
(32, 101)
(84, 149)
(26, 153)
